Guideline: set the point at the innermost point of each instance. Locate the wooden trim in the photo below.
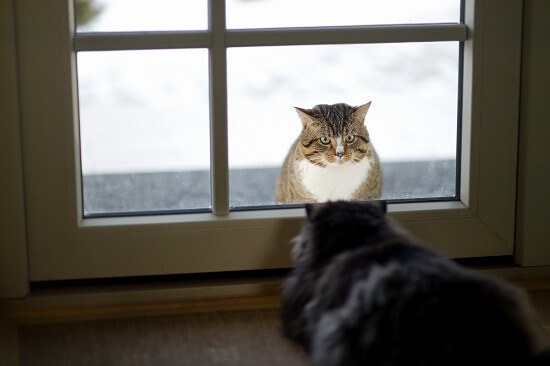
(118, 301)
(94, 312)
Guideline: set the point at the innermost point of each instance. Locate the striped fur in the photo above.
(332, 159)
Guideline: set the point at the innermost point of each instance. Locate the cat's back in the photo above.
(405, 305)
(373, 268)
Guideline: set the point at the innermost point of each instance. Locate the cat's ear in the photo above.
(305, 115)
(361, 111)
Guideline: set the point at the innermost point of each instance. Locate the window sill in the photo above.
(58, 301)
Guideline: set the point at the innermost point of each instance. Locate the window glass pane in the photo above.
(412, 120)
(140, 15)
(311, 13)
(144, 124)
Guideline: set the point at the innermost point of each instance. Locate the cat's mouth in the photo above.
(339, 160)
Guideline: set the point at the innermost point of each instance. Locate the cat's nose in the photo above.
(339, 154)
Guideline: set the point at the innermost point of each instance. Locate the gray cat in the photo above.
(333, 158)
(365, 292)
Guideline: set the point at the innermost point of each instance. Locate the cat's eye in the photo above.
(325, 140)
(350, 138)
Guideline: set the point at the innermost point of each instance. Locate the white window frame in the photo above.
(62, 244)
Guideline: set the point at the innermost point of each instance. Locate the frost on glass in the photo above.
(412, 120)
(315, 13)
(139, 15)
(144, 130)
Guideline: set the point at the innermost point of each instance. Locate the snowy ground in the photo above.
(175, 191)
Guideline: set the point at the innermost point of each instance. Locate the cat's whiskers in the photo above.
(317, 161)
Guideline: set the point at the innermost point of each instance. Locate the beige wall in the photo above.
(13, 255)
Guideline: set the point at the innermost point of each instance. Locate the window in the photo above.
(64, 244)
(144, 136)
(144, 113)
(412, 122)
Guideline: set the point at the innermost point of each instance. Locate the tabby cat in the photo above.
(365, 292)
(333, 158)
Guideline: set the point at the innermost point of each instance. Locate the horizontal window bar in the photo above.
(271, 37)
(347, 35)
(121, 41)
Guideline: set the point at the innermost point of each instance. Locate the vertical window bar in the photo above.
(219, 176)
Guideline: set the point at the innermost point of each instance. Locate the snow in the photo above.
(147, 111)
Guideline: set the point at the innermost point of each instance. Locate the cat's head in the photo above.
(334, 134)
(333, 227)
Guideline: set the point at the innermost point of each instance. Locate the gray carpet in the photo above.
(210, 338)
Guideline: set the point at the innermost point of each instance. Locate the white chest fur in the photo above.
(332, 183)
